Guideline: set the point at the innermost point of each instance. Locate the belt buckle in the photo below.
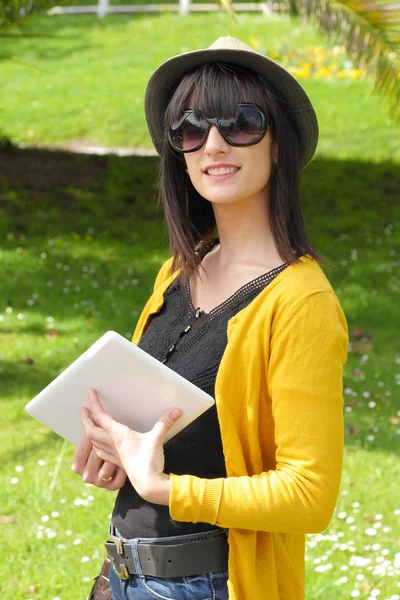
(121, 571)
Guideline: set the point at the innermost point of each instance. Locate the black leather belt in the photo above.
(203, 553)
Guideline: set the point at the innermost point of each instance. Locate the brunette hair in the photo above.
(215, 89)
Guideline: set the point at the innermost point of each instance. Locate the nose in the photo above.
(215, 143)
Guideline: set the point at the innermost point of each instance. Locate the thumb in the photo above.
(164, 424)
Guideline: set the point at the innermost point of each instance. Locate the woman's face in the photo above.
(223, 174)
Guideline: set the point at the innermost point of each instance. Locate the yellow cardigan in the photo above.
(279, 399)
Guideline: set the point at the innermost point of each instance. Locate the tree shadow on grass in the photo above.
(92, 188)
(29, 448)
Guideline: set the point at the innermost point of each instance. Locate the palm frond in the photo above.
(227, 6)
(370, 32)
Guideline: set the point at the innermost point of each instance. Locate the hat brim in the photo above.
(168, 75)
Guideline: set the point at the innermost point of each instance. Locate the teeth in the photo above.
(222, 170)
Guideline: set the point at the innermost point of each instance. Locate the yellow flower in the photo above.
(253, 42)
(305, 69)
(324, 72)
(354, 73)
(303, 73)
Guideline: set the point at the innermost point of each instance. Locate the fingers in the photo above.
(105, 448)
(107, 471)
(92, 468)
(111, 477)
(112, 432)
(95, 434)
(108, 456)
(94, 460)
(96, 471)
(117, 481)
(100, 416)
(165, 422)
(81, 455)
(103, 474)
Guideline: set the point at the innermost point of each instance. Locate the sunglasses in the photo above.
(247, 127)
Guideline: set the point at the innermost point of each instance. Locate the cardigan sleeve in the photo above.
(305, 372)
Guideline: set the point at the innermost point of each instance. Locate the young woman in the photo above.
(243, 310)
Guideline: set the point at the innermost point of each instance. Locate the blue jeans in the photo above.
(210, 586)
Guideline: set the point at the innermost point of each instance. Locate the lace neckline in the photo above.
(257, 283)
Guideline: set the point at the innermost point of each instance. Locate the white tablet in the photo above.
(133, 387)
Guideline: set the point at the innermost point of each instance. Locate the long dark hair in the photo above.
(216, 89)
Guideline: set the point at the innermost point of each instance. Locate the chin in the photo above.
(222, 193)
(226, 198)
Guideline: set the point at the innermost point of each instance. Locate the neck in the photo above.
(245, 235)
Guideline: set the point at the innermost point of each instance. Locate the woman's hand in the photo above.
(141, 455)
(95, 470)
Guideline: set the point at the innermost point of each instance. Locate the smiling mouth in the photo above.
(222, 171)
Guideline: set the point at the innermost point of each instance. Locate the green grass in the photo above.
(81, 242)
(80, 78)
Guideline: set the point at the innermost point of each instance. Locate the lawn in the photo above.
(79, 78)
(82, 239)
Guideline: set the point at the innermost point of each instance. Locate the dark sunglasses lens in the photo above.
(189, 133)
(244, 128)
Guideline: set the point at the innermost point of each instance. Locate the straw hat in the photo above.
(167, 77)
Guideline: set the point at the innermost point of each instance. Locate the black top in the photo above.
(195, 353)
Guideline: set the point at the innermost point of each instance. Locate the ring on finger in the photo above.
(106, 479)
